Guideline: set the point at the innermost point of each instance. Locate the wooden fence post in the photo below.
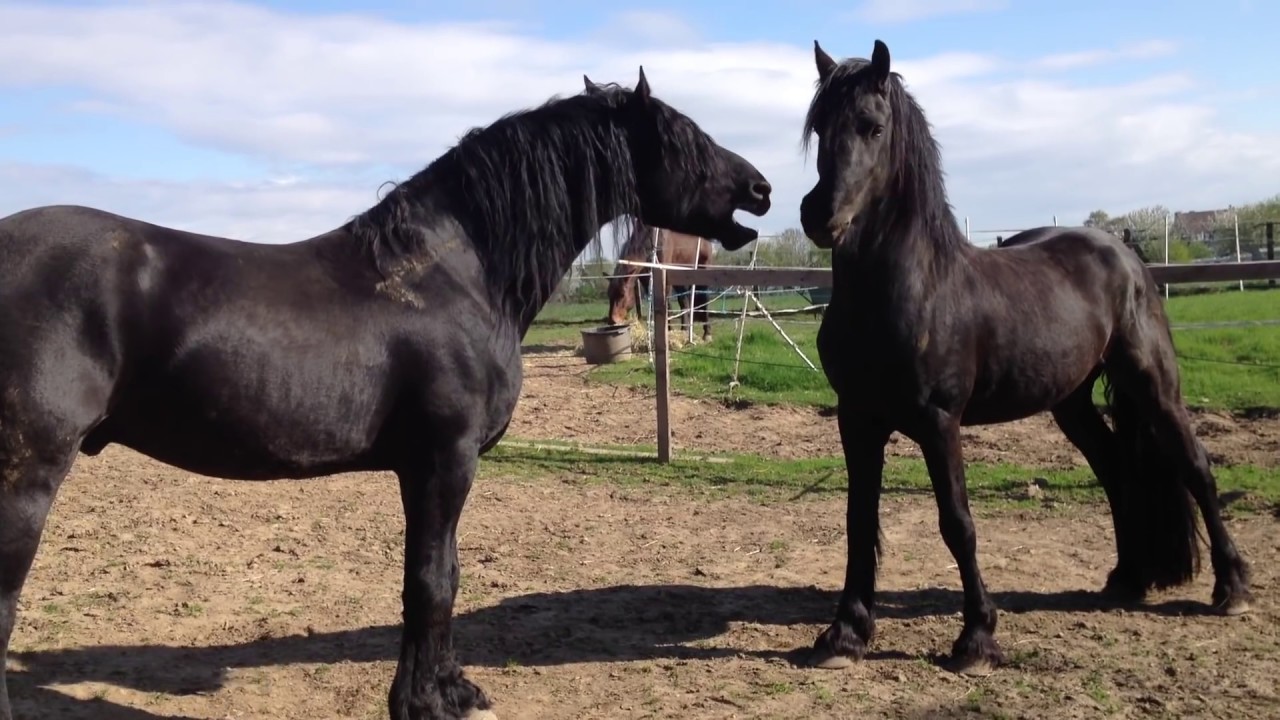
(658, 286)
(1271, 246)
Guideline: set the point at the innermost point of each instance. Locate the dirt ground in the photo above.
(158, 594)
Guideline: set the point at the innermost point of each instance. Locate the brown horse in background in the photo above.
(674, 248)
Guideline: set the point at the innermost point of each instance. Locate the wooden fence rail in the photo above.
(724, 276)
(1173, 274)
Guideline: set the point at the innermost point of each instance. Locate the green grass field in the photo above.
(1235, 369)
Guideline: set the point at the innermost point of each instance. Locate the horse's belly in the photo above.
(253, 422)
(1026, 389)
(210, 445)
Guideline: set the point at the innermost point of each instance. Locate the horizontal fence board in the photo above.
(1215, 272)
(720, 276)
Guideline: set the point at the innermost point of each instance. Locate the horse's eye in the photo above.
(877, 131)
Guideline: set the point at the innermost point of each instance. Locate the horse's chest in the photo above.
(855, 351)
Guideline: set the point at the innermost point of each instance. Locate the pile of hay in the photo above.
(639, 337)
(642, 339)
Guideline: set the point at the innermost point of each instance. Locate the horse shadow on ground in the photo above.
(612, 624)
(32, 701)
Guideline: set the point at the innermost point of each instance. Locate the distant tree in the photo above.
(1146, 220)
(1098, 219)
(1147, 226)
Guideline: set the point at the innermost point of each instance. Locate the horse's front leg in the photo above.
(976, 650)
(847, 639)
(429, 683)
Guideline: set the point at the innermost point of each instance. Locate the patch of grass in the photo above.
(189, 609)
(1224, 306)
(1001, 483)
(1023, 658)
(974, 698)
(1095, 689)
(778, 688)
(823, 695)
(1221, 368)
(770, 372)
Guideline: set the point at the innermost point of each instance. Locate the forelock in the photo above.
(836, 96)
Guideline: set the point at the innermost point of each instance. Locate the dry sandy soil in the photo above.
(158, 594)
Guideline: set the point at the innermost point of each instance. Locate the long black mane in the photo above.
(530, 191)
(916, 199)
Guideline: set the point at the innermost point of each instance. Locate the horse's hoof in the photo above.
(1120, 590)
(972, 666)
(478, 714)
(1234, 606)
(827, 661)
(975, 653)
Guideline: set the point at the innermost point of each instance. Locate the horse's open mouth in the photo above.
(739, 234)
(736, 236)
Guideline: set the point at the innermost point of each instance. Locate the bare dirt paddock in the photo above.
(157, 594)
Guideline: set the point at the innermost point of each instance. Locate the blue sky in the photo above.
(274, 120)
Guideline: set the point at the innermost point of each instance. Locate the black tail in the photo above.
(1157, 513)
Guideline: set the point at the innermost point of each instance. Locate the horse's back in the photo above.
(1043, 307)
(684, 249)
(90, 299)
(1074, 258)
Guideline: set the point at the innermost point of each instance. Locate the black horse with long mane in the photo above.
(926, 333)
(390, 343)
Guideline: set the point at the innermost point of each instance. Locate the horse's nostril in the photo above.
(761, 190)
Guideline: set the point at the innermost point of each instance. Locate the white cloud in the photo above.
(650, 27)
(1084, 58)
(903, 11)
(340, 96)
(266, 210)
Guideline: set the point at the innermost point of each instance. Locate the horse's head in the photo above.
(685, 181)
(852, 115)
(621, 293)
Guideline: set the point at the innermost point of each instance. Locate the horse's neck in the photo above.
(897, 260)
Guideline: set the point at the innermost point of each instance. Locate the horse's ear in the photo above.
(880, 64)
(824, 62)
(586, 81)
(642, 87)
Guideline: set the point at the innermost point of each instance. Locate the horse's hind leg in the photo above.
(27, 488)
(682, 302)
(42, 422)
(1083, 425)
(1147, 397)
(704, 303)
